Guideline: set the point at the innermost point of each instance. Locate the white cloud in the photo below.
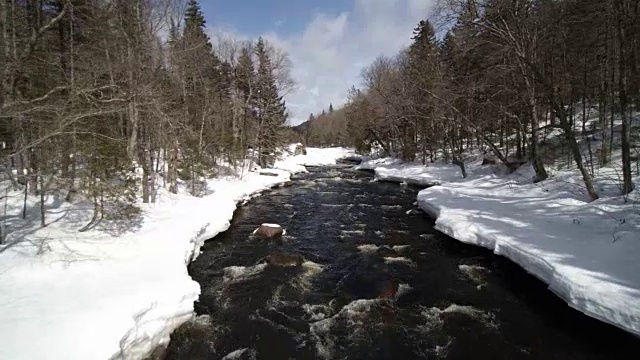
(331, 51)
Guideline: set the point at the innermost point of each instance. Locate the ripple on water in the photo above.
(368, 248)
(317, 312)
(476, 273)
(351, 233)
(327, 193)
(399, 260)
(334, 205)
(309, 271)
(365, 205)
(431, 336)
(436, 317)
(391, 207)
(240, 354)
(354, 321)
(402, 290)
(241, 273)
(486, 318)
(401, 248)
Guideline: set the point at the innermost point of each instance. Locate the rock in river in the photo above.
(282, 259)
(387, 288)
(268, 231)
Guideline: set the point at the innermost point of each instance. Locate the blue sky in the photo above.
(328, 41)
(256, 17)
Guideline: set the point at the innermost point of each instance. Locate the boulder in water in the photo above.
(285, 184)
(284, 260)
(269, 231)
(388, 288)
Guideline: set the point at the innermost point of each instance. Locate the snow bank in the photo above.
(394, 170)
(314, 157)
(96, 295)
(115, 292)
(586, 252)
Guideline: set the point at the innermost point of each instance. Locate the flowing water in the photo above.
(376, 282)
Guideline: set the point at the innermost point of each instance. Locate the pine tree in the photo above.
(272, 114)
(423, 75)
(245, 73)
(204, 97)
(245, 81)
(195, 23)
(308, 130)
(89, 97)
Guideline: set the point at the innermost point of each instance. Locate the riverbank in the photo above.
(113, 292)
(587, 252)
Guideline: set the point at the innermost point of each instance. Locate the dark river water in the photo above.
(377, 282)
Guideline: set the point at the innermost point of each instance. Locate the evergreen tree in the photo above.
(309, 126)
(422, 75)
(205, 98)
(245, 73)
(245, 80)
(195, 23)
(272, 114)
(93, 104)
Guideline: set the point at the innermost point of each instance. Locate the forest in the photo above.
(110, 99)
(501, 76)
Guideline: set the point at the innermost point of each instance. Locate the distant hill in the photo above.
(327, 129)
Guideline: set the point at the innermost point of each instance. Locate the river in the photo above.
(377, 282)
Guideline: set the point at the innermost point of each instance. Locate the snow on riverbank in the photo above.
(393, 170)
(314, 157)
(107, 292)
(586, 252)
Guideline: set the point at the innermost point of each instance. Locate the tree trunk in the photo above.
(152, 182)
(575, 150)
(518, 144)
(602, 114)
(145, 181)
(584, 115)
(173, 168)
(538, 165)
(133, 106)
(627, 183)
(3, 228)
(42, 196)
(147, 164)
(24, 204)
(7, 80)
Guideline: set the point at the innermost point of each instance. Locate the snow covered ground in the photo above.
(586, 252)
(394, 170)
(112, 292)
(314, 157)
